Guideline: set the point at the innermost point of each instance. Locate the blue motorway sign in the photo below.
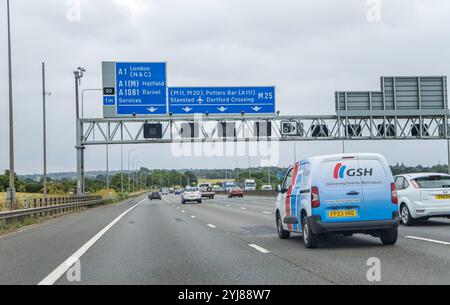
(218, 100)
(141, 88)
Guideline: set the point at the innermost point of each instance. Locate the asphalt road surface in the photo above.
(222, 241)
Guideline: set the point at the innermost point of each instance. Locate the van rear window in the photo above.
(433, 182)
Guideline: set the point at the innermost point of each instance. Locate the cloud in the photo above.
(308, 49)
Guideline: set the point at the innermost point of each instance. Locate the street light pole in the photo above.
(107, 169)
(129, 170)
(12, 190)
(44, 129)
(80, 149)
(121, 168)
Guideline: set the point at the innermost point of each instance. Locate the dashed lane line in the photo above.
(260, 249)
(429, 240)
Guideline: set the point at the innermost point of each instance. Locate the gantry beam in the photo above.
(310, 128)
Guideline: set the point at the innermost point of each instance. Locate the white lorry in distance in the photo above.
(250, 185)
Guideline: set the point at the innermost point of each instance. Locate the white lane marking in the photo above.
(211, 226)
(164, 198)
(53, 277)
(260, 249)
(268, 213)
(429, 240)
(228, 205)
(243, 208)
(183, 211)
(192, 216)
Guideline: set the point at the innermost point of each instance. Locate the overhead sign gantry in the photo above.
(139, 108)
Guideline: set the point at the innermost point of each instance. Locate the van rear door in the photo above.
(376, 182)
(340, 190)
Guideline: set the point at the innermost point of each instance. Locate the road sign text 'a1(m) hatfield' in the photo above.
(134, 89)
(222, 100)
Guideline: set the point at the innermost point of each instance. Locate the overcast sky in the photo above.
(308, 49)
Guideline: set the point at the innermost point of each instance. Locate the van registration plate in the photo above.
(443, 197)
(342, 214)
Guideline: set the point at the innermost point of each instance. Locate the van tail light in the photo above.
(315, 200)
(394, 195)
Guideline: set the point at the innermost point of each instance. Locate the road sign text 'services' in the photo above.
(222, 100)
(134, 89)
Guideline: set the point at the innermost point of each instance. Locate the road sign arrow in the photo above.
(222, 109)
(187, 109)
(256, 109)
(152, 109)
(200, 100)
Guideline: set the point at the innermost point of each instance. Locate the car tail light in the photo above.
(315, 200)
(394, 195)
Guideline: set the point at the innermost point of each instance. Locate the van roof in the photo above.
(337, 156)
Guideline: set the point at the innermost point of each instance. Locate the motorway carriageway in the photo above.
(222, 241)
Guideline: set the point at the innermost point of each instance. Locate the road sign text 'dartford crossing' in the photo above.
(222, 100)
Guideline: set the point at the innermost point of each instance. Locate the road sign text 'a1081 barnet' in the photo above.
(134, 89)
(222, 100)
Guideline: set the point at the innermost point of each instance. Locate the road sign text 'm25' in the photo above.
(222, 100)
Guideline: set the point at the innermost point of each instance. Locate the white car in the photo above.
(267, 188)
(423, 196)
(191, 194)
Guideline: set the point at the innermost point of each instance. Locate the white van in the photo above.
(338, 194)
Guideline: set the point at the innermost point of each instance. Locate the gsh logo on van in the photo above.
(340, 171)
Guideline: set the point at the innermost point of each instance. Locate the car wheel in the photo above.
(389, 237)
(183, 202)
(310, 239)
(405, 216)
(199, 201)
(282, 234)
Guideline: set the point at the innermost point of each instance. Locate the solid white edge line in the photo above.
(260, 249)
(429, 240)
(211, 226)
(54, 276)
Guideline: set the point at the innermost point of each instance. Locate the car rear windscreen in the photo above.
(433, 182)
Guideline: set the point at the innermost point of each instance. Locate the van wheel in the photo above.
(311, 240)
(405, 215)
(282, 234)
(389, 237)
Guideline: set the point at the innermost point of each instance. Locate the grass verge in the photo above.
(13, 225)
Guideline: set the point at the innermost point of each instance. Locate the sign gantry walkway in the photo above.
(263, 128)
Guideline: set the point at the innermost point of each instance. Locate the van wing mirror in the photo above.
(279, 189)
